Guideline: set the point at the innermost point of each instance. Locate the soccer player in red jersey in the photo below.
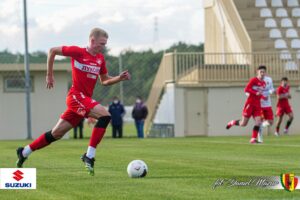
(266, 106)
(87, 65)
(283, 106)
(252, 106)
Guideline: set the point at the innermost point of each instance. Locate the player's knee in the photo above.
(256, 128)
(258, 123)
(57, 134)
(243, 123)
(103, 121)
(50, 137)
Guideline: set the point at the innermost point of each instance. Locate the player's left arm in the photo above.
(289, 96)
(105, 79)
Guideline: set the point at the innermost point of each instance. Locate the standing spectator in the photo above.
(80, 127)
(117, 111)
(139, 114)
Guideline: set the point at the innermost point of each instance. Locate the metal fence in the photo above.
(217, 67)
(141, 68)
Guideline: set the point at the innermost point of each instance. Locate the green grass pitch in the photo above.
(179, 168)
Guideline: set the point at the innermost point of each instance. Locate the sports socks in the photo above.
(97, 135)
(255, 131)
(288, 123)
(26, 151)
(41, 142)
(233, 123)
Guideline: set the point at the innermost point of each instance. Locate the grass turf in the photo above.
(179, 168)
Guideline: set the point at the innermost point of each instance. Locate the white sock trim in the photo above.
(91, 152)
(265, 124)
(26, 151)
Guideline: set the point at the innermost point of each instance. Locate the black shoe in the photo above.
(89, 164)
(21, 158)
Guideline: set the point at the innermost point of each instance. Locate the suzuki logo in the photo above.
(18, 175)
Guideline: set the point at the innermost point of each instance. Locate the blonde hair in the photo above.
(98, 32)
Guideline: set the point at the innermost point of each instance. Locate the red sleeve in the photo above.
(103, 69)
(279, 91)
(249, 86)
(72, 51)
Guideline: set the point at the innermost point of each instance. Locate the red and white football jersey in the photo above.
(283, 90)
(254, 85)
(85, 69)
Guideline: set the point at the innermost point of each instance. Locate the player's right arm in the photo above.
(69, 51)
(50, 61)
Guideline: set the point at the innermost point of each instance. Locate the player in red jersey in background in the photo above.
(283, 106)
(88, 64)
(252, 106)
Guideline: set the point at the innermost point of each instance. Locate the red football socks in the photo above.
(97, 136)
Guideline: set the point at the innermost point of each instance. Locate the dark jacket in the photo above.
(139, 111)
(117, 112)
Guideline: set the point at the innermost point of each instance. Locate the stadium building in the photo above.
(196, 94)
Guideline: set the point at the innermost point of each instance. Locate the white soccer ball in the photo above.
(137, 169)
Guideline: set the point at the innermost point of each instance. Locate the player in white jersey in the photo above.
(266, 106)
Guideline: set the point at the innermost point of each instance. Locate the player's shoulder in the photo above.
(253, 79)
(100, 55)
(73, 47)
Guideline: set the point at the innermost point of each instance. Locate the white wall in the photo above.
(225, 104)
(165, 113)
(46, 107)
(179, 112)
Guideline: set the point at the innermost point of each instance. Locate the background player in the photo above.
(88, 64)
(252, 106)
(283, 106)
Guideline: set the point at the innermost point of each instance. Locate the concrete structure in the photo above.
(46, 105)
(205, 111)
(208, 88)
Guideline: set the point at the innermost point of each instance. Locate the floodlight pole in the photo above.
(27, 74)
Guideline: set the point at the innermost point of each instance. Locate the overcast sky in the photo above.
(130, 23)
